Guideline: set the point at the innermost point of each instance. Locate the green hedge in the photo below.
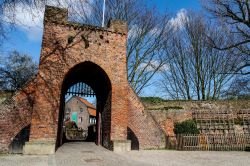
(152, 100)
(186, 127)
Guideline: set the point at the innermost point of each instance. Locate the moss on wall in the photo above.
(188, 105)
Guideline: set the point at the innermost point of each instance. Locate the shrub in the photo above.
(247, 149)
(70, 125)
(238, 121)
(186, 127)
(154, 100)
(173, 108)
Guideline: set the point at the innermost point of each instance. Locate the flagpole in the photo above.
(103, 14)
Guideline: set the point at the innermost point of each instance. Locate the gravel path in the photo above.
(88, 154)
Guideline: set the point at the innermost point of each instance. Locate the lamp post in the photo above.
(103, 13)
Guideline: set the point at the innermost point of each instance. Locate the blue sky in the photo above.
(19, 40)
(28, 39)
(174, 6)
(23, 39)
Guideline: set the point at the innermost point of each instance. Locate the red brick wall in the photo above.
(143, 129)
(106, 123)
(15, 114)
(104, 47)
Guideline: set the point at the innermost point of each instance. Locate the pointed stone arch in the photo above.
(95, 77)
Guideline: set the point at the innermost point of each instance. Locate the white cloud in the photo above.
(164, 67)
(179, 20)
(30, 18)
(134, 31)
(152, 65)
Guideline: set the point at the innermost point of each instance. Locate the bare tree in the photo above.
(145, 53)
(239, 88)
(196, 69)
(15, 70)
(235, 14)
(148, 31)
(8, 12)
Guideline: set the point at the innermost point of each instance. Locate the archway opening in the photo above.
(85, 81)
(80, 114)
(16, 146)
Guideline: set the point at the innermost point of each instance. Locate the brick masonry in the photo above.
(15, 114)
(144, 131)
(64, 46)
(166, 114)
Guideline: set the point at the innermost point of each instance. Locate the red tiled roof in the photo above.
(91, 109)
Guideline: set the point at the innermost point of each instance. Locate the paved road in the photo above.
(88, 154)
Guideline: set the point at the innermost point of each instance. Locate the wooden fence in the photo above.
(205, 142)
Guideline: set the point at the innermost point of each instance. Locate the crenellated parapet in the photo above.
(60, 16)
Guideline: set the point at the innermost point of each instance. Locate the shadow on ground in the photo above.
(88, 154)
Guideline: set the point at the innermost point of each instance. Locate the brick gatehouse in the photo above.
(72, 53)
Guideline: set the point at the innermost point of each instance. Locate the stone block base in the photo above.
(121, 145)
(39, 147)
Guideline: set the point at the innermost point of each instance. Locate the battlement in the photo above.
(60, 16)
(55, 14)
(118, 26)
